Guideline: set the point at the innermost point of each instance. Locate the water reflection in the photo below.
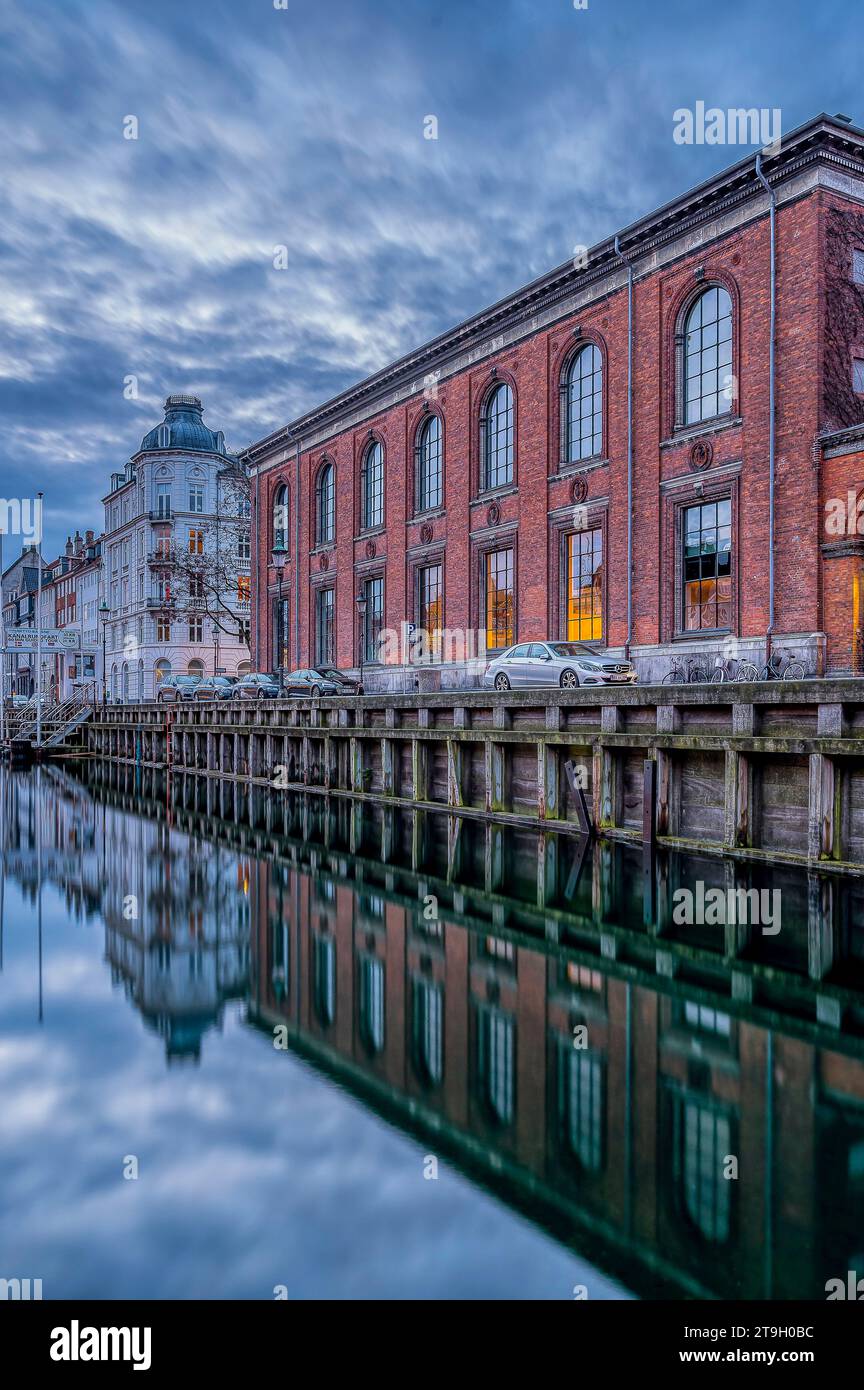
(438, 970)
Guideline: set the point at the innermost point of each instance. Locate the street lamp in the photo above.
(280, 555)
(361, 609)
(104, 610)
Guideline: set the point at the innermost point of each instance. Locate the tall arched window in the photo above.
(280, 517)
(430, 489)
(497, 429)
(582, 405)
(708, 357)
(372, 487)
(325, 505)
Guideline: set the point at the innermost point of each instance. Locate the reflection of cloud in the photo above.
(253, 1170)
(260, 128)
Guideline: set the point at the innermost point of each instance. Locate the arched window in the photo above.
(430, 491)
(372, 487)
(195, 668)
(325, 505)
(140, 680)
(497, 442)
(708, 357)
(280, 517)
(160, 671)
(582, 405)
(125, 682)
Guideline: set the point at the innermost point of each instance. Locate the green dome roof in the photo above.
(184, 428)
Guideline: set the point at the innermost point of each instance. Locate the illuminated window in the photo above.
(708, 566)
(430, 600)
(196, 542)
(708, 357)
(499, 599)
(243, 582)
(163, 629)
(585, 586)
(583, 405)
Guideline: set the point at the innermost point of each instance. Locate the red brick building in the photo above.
(497, 479)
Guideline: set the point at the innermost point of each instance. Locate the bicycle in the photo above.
(782, 667)
(733, 669)
(686, 671)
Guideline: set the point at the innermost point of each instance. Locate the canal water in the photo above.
(255, 1045)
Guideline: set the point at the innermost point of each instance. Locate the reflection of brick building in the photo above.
(466, 1038)
(481, 482)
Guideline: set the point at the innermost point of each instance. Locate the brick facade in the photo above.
(716, 236)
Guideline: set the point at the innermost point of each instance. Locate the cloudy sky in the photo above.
(303, 127)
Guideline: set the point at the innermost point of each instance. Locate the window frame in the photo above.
(485, 485)
(429, 420)
(325, 535)
(682, 395)
(318, 593)
(372, 505)
(573, 358)
(501, 547)
(684, 506)
(281, 498)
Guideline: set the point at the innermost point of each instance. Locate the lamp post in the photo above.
(280, 555)
(104, 610)
(361, 610)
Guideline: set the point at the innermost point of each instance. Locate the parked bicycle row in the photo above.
(780, 666)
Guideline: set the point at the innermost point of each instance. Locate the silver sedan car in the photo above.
(565, 664)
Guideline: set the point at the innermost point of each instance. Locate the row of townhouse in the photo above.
(165, 589)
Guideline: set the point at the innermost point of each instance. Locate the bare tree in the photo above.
(207, 566)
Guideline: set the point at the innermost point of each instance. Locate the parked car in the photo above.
(565, 664)
(215, 688)
(14, 702)
(177, 688)
(348, 685)
(310, 682)
(257, 686)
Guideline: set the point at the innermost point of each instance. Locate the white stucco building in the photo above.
(176, 558)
